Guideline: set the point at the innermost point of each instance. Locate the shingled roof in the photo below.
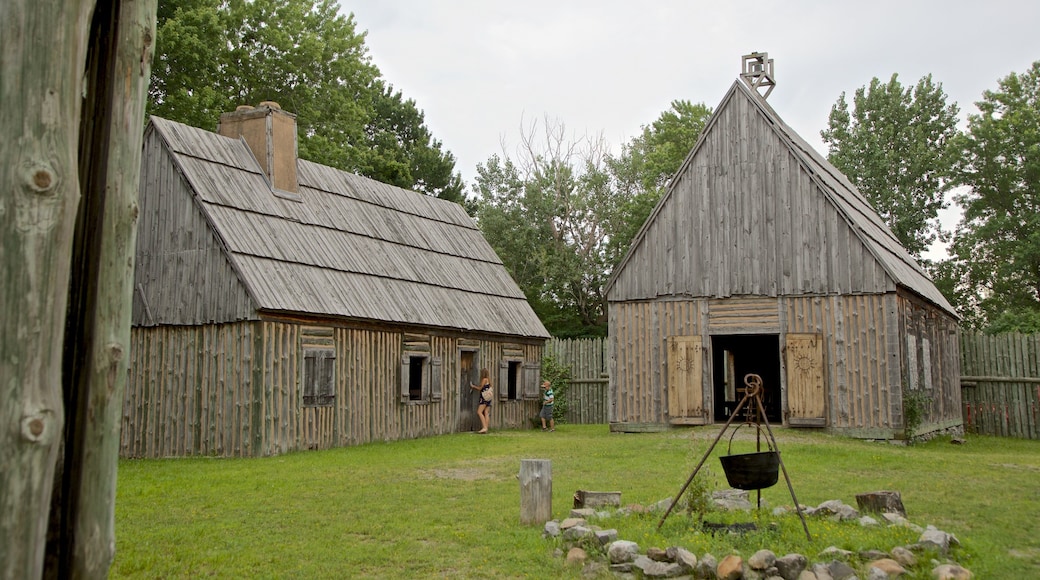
(349, 246)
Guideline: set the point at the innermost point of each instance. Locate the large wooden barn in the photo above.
(761, 257)
(283, 305)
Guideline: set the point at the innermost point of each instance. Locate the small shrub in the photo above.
(915, 403)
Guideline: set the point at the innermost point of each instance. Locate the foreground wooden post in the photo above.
(535, 491)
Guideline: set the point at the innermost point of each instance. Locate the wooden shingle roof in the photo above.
(351, 247)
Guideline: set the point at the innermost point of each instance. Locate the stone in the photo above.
(730, 568)
(868, 555)
(576, 533)
(657, 554)
(838, 508)
(938, 538)
(805, 575)
(683, 557)
(951, 572)
(880, 502)
(706, 567)
(622, 551)
(905, 557)
(552, 528)
(571, 522)
(890, 567)
(662, 505)
(731, 499)
(868, 522)
(876, 574)
(655, 569)
(840, 570)
(822, 572)
(576, 556)
(583, 513)
(622, 568)
(835, 552)
(791, 566)
(762, 560)
(594, 569)
(604, 537)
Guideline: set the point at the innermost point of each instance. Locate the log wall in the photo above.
(234, 390)
(1000, 384)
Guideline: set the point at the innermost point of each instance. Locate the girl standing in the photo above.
(486, 394)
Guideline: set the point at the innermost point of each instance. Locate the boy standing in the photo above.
(547, 406)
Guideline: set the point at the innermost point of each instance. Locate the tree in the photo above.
(998, 240)
(546, 215)
(69, 166)
(213, 55)
(646, 166)
(896, 148)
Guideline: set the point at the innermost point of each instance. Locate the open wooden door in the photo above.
(806, 398)
(685, 381)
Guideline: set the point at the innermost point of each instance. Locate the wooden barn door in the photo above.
(806, 397)
(685, 372)
(468, 398)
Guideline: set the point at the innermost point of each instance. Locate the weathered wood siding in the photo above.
(931, 361)
(182, 275)
(863, 354)
(745, 218)
(191, 392)
(235, 389)
(1000, 384)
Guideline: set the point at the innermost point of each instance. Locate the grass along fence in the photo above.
(1000, 382)
(449, 506)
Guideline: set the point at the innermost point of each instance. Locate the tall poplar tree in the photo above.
(997, 245)
(895, 147)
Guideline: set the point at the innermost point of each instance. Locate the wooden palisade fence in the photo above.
(587, 395)
(1000, 382)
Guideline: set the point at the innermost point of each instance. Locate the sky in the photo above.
(480, 69)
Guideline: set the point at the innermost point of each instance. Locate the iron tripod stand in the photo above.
(752, 394)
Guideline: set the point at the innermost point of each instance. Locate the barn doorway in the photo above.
(468, 398)
(733, 357)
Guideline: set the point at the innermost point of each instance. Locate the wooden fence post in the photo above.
(535, 491)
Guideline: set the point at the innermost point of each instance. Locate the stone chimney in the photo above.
(270, 133)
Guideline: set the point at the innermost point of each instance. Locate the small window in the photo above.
(420, 378)
(416, 364)
(319, 377)
(514, 378)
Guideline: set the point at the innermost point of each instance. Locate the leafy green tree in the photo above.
(647, 164)
(997, 244)
(547, 216)
(896, 148)
(213, 55)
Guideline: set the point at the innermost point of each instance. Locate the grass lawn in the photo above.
(449, 506)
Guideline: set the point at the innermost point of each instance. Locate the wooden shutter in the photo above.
(435, 378)
(532, 376)
(502, 388)
(319, 377)
(806, 398)
(406, 361)
(685, 381)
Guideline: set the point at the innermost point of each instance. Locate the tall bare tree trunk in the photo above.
(48, 159)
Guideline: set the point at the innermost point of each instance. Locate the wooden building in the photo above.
(282, 305)
(761, 257)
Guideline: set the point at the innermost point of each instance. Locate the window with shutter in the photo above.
(319, 377)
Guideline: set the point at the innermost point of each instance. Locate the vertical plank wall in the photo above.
(190, 392)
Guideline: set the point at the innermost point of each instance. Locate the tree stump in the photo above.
(535, 491)
(881, 502)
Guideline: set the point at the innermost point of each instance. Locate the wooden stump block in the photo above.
(881, 502)
(535, 491)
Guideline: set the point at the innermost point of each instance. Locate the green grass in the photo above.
(449, 506)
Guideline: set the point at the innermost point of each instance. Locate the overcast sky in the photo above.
(477, 68)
